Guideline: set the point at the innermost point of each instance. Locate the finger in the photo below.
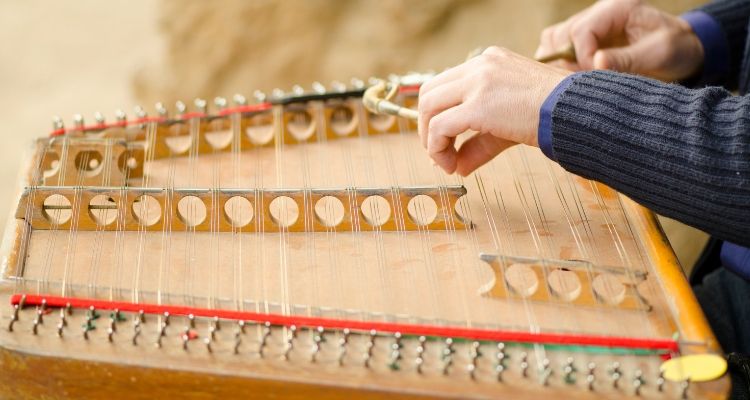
(478, 150)
(546, 41)
(606, 20)
(448, 75)
(435, 101)
(443, 130)
(639, 57)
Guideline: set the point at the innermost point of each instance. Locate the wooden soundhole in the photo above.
(343, 121)
(179, 141)
(564, 284)
(238, 211)
(191, 210)
(146, 210)
(57, 209)
(422, 209)
(376, 210)
(522, 279)
(330, 211)
(284, 211)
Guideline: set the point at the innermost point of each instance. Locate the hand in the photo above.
(497, 94)
(627, 36)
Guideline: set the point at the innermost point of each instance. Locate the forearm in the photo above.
(683, 153)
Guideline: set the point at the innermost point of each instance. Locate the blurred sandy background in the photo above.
(81, 56)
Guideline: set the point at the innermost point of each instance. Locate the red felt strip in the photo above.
(332, 323)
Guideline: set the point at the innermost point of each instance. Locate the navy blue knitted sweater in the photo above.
(682, 152)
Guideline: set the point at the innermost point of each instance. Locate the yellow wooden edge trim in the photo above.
(685, 308)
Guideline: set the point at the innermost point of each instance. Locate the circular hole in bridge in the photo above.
(381, 122)
(259, 128)
(609, 288)
(461, 209)
(51, 164)
(191, 210)
(330, 211)
(89, 162)
(219, 133)
(343, 121)
(300, 124)
(238, 211)
(422, 209)
(57, 209)
(284, 211)
(522, 279)
(376, 210)
(564, 284)
(127, 161)
(103, 209)
(179, 140)
(146, 210)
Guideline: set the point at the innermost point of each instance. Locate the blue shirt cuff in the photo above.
(544, 134)
(736, 259)
(715, 46)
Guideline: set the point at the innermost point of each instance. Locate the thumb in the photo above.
(620, 59)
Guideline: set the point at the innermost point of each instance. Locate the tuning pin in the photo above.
(217, 323)
(638, 381)
(120, 116)
(110, 333)
(220, 103)
(318, 88)
(277, 93)
(685, 386)
(207, 341)
(290, 341)
(161, 110)
(546, 371)
(60, 327)
(140, 113)
(237, 341)
(57, 123)
(357, 83)
(37, 321)
(191, 320)
(239, 100)
(212, 331)
(337, 86)
(447, 355)
(419, 360)
(569, 371)
(318, 338)
(524, 365)
(166, 318)
(180, 107)
(14, 318)
(185, 338)
(474, 355)
(141, 316)
(297, 90)
(616, 374)
(99, 118)
(136, 331)
(343, 342)
(660, 381)
(162, 333)
(78, 121)
(201, 105)
(591, 377)
(396, 351)
(266, 335)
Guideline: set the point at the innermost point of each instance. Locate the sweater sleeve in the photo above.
(684, 153)
(732, 16)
